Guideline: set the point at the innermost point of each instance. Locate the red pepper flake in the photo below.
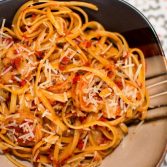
(25, 38)
(16, 63)
(24, 9)
(87, 44)
(125, 54)
(80, 144)
(20, 140)
(138, 96)
(110, 74)
(68, 33)
(16, 51)
(103, 119)
(118, 111)
(22, 83)
(61, 67)
(77, 40)
(76, 78)
(34, 16)
(17, 129)
(119, 84)
(87, 64)
(39, 55)
(65, 60)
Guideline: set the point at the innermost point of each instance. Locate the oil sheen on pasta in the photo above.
(67, 86)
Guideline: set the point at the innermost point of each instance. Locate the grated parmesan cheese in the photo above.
(7, 70)
(51, 139)
(2, 34)
(17, 78)
(128, 66)
(75, 159)
(28, 129)
(35, 156)
(2, 99)
(137, 72)
(26, 50)
(12, 124)
(130, 91)
(10, 81)
(65, 96)
(109, 46)
(46, 113)
(68, 53)
(85, 142)
(119, 63)
(13, 116)
(3, 25)
(53, 38)
(48, 132)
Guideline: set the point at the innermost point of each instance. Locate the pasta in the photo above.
(67, 86)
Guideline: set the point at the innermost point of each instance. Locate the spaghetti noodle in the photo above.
(67, 86)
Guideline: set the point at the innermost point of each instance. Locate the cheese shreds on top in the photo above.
(6, 70)
(85, 142)
(75, 159)
(46, 113)
(137, 72)
(128, 66)
(52, 139)
(3, 25)
(2, 99)
(48, 132)
(107, 48)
